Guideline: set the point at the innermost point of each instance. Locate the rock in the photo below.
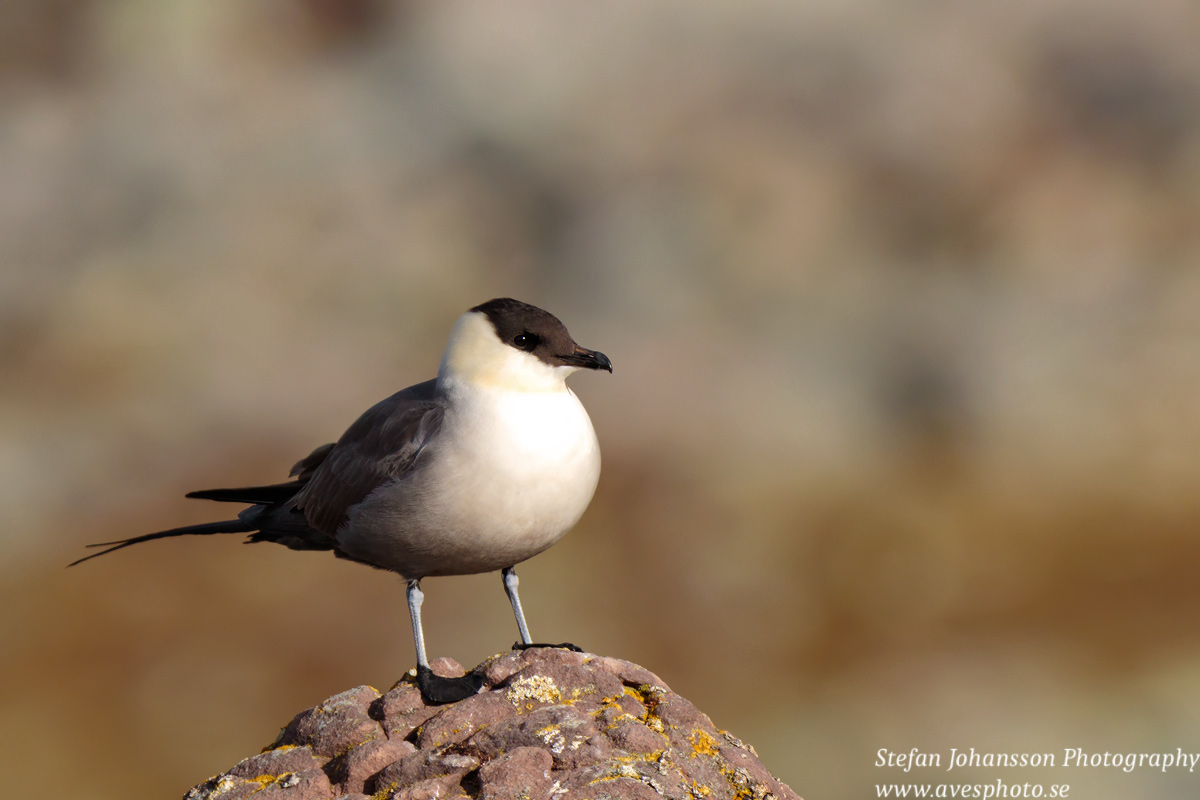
(351, 771)
(461, 720)
(633, 736)
(447, 668)
(548, 724)
(286, 758)
(401, 710)
(308, 785)
(521, 774)
(569, 734)
(423, 766)
(338, 724)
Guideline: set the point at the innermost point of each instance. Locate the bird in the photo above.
(474, 471)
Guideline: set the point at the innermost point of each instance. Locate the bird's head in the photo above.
(514, 346)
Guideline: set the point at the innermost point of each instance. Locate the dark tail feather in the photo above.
(204, 529)
(255, 495)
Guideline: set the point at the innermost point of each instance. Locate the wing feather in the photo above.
(380, 447)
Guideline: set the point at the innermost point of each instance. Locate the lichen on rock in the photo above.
(548, 724)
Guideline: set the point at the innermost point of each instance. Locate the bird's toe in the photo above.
(436, 690)
(561, 646)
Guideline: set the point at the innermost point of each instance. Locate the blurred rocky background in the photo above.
(903, 444)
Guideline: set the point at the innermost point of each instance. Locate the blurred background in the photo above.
(903, 443)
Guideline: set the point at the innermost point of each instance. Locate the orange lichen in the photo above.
(704, 744)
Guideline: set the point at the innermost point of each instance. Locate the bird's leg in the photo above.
(415, 598)
(509, 574)
(435, 689)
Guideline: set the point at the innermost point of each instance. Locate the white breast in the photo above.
(508, 474)
(522, 467)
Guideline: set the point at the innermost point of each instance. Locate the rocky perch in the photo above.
(548, 724)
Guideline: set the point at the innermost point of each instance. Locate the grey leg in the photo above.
(415, 596)
(434, 689)
(510, 587)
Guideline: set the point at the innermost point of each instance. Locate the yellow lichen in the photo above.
(744, 786)
(537, 688)
(285, 779)
(649, 697)
(224, 785)
(622, 771)
(580, 692)
(704, 744)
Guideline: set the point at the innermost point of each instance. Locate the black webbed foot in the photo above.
(563, 646)
(436, 690)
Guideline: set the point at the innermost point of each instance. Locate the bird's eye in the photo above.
(526, 341)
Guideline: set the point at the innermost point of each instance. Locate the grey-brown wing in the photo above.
(381, 446)
(305, 467)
